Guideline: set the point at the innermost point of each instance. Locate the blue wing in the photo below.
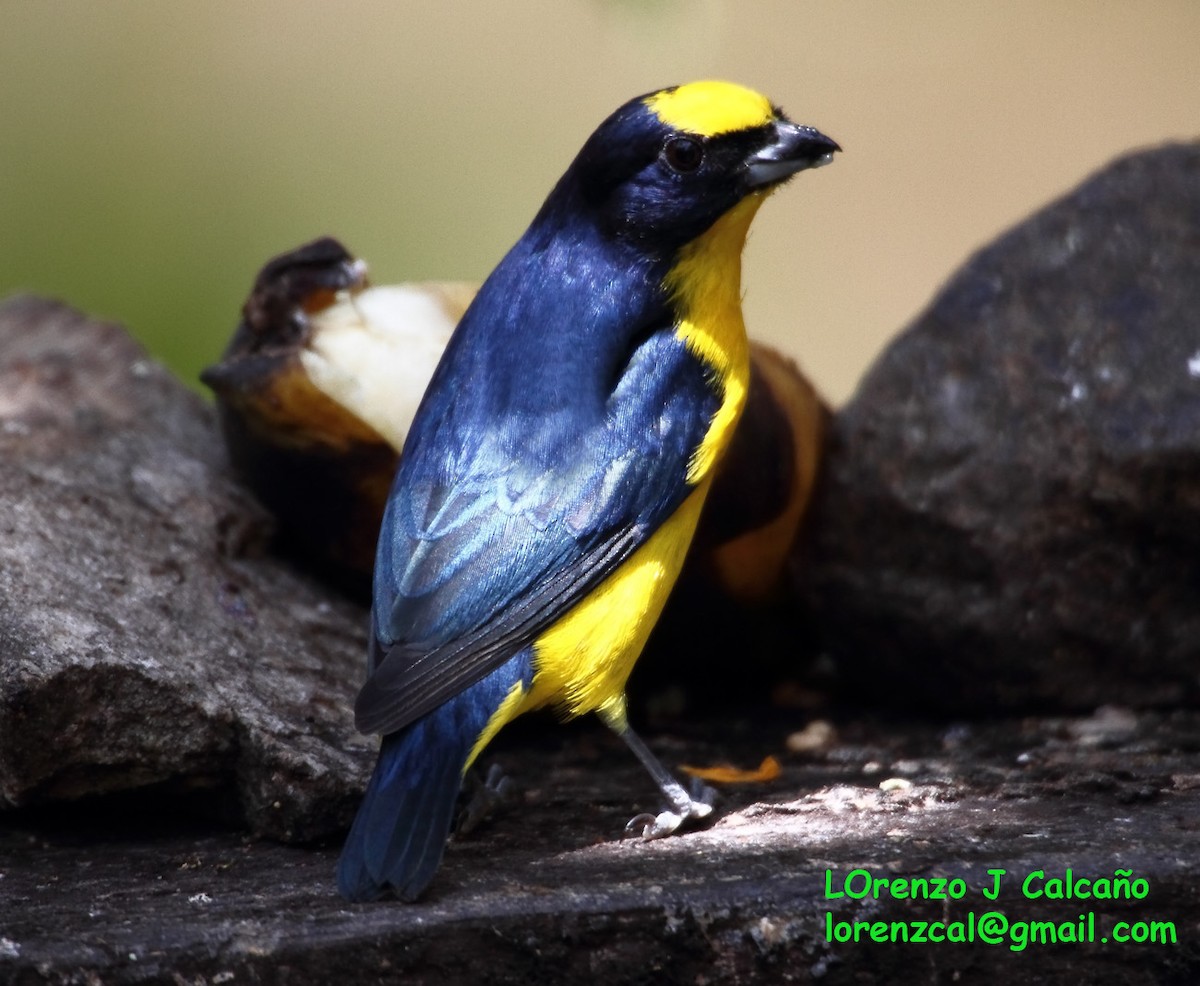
(498, 523)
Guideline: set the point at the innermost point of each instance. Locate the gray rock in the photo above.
(1011, 514)
(144, 638)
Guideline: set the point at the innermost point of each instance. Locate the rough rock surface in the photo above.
(1011, 513)
(143, 639)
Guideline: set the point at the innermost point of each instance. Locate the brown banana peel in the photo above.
(322, 378)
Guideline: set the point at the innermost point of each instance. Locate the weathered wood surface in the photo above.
(548, 893)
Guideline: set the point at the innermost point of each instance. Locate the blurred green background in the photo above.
(154, 154)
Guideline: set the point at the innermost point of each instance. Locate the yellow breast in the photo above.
(706, 285)
(583, 661)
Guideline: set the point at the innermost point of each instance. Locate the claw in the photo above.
(655, 826)
(698, 807)
(638, 825)
(486, 795)
(684, 805)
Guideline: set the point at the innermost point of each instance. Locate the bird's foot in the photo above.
(695, 805)
(484, 795)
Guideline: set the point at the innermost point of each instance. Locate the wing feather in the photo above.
(474, 565)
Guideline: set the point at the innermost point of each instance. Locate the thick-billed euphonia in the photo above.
(550, 483)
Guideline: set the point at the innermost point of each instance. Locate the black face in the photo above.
(664, 167)
(646, 183)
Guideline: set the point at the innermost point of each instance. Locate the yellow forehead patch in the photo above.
(711, 107)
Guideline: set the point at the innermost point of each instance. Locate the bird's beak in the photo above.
(791, 148)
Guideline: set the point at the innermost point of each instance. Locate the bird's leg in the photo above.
(683, 806)
(483, 795)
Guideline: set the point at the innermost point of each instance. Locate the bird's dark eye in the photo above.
(683, 154)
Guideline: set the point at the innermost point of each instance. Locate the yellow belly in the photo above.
(582, 662)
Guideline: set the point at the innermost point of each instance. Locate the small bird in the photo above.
(551, 481)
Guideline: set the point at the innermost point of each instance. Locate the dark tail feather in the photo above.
(397, 840)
